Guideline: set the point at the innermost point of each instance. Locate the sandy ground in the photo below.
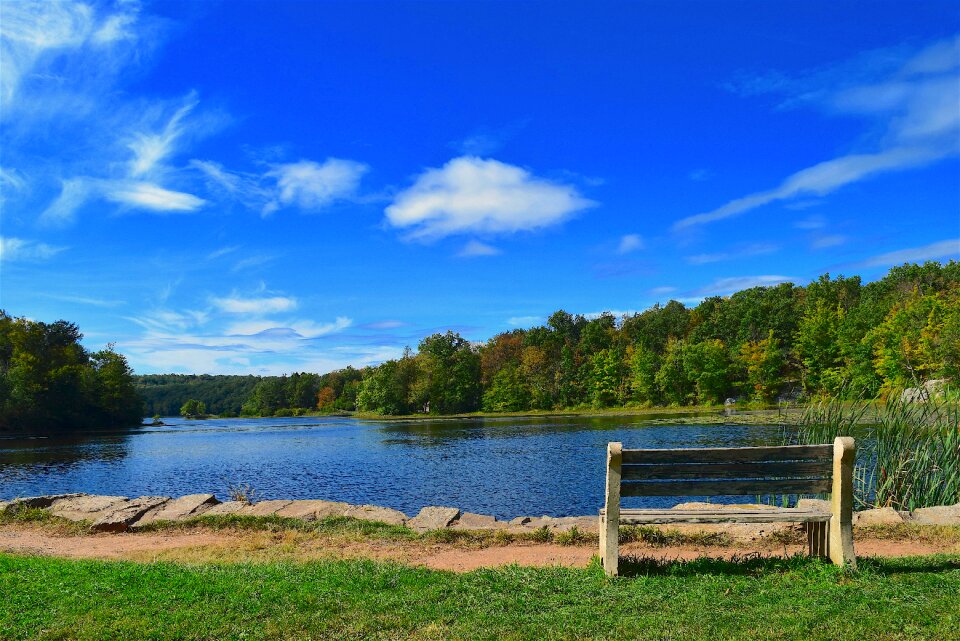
(203, 546)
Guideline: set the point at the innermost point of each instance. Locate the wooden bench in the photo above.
(726, 471)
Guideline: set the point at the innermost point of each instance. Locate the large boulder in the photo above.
(226, 508)
(36, 502)
(313, 510)
(85, 507)
(563, 523)
(877, 516)
(376, 513)
(119, 518)
(264, 508)
(940, 515)
(179, 509)
(433, 518)
(470, 521)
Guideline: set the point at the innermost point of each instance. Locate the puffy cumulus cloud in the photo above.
(943, 249)
(475, 195)
(263, 305)
(311, 185)
(911, 98)
(19, 249)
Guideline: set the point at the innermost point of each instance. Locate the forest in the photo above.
(835, 337)
(48, 381)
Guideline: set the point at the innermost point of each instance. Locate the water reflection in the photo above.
(502, 466)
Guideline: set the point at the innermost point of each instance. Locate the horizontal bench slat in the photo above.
(729, 454)
(725, 488)
(779, 515)
(757, 469)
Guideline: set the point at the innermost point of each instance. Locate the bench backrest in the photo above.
(790, 469)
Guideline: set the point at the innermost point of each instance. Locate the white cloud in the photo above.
(756, 249)
(942, 249)
(915, 103)
(630, 243)
(473, 195)
(812, 222)
(223, 251)
(312, 185)
(475, 248)
(154, 197)
(19, 249)
(726, 286)
(660, 291)
(150, 149)
(525, 321)
(830, 240)
(266, 305)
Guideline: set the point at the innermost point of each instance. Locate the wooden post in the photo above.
(610, 529)
(841, 522)
(818, 539)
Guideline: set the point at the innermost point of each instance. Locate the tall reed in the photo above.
(908, 454)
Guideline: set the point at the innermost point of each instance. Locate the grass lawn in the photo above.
(910, 598)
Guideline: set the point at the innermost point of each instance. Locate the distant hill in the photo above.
(164, 394)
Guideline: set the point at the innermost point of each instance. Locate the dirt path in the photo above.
(204, 545)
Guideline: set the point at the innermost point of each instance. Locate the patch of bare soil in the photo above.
(229, 546)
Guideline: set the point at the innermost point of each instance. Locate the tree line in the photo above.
(832, 337)
(48, 381)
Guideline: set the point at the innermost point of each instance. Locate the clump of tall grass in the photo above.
(908, 455)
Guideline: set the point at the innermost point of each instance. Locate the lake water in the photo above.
(503, 466)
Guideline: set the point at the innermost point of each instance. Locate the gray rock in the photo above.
(877, 516)
(178, 509)
(433, 518)
(470, 521)
(119, 518)
(264, 508)
(814, 505)
(226, 508)
(520, 520)
(376, 513)
(37, 501)
(940, 515)
(933, 388)
(312, 510)
(85, 507)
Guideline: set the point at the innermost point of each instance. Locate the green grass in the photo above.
(47, 598)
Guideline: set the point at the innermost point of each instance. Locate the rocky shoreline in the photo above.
(121, 514)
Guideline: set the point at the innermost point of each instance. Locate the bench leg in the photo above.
(818, 539)
(610, 545)
(841, 503)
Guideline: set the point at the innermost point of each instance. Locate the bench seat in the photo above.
(732, 515)
(734, 471)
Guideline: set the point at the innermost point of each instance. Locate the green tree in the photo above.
(644, 365)
(193, 409)
(707, 366)
(507, 392)
(672, 378)
(763, 363)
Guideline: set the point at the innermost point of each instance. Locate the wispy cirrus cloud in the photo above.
(475, 195)
(475, 248)
(630, 243)
(912, 97)
(942, 249)
(731, 284)
(754, 249)
(22, 250)
(259, 305)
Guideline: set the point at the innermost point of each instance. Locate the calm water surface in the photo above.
(503, 466)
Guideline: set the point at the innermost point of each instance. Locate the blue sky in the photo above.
(254, 187)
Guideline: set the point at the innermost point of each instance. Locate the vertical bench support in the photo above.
(841, 521)
(610, 525)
